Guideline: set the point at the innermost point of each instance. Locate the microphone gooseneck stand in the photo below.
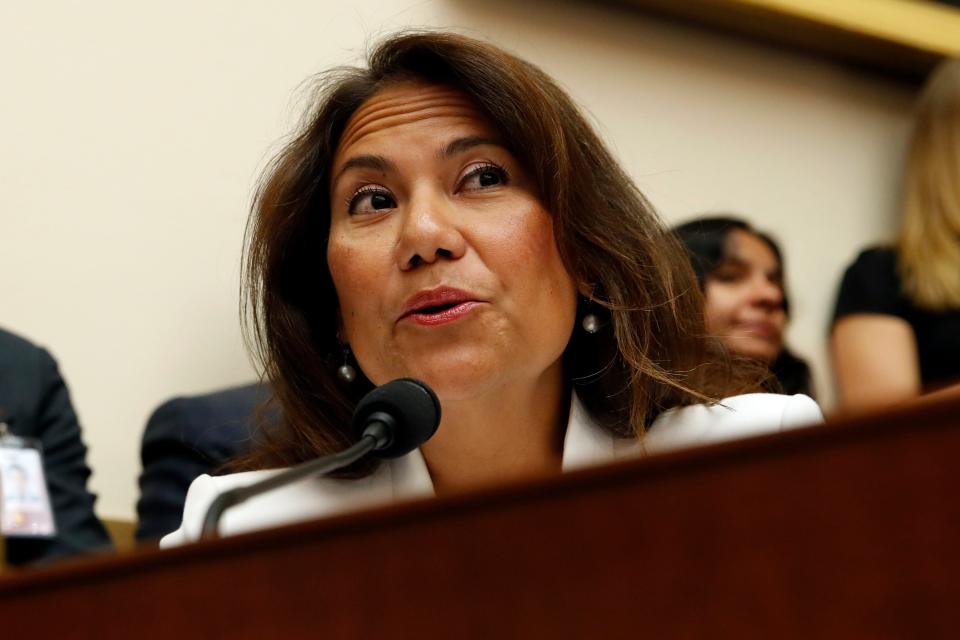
(392, 420)
(375, 436)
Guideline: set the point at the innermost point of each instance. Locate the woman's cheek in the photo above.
(715, 311)
(781, 322)
(350, 275)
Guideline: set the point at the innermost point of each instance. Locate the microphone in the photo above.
(390, 421)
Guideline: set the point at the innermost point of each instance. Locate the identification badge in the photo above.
(24, 502)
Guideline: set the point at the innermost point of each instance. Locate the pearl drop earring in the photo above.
(346, 372)
(591, 324)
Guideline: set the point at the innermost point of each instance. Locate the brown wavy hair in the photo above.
(652, 352)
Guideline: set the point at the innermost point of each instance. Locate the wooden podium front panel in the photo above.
(844, 531)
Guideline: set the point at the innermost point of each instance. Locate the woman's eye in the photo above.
(727, 274)
(484, 176)
(370, 201)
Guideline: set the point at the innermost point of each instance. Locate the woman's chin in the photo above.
(458, 380)
(754, 348)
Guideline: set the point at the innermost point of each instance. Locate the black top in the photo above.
(791, 375)
(872, 285)
(35, 404)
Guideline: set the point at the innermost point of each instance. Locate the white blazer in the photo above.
(585, 444)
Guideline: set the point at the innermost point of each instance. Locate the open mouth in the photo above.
(439, 305)
(437, 308)
(438, 314)
(760, 330)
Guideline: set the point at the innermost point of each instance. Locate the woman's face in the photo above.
(744, 298)
(443, 258)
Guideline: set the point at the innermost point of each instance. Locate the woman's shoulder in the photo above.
(879, 258)
(871, 284)
(305, 499)
(734, 417)
(200, 495)
(874, 266)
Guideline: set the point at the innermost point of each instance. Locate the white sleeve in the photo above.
(201, 493)
(800, 411)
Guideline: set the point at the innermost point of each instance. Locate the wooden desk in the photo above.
(849, 530)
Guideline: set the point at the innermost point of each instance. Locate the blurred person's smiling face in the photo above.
(443, 258)
(744, 298)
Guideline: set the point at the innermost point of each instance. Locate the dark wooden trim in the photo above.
(844, 530)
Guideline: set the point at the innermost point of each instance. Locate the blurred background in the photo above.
(133, 136)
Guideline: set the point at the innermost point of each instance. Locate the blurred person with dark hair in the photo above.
(740, 271)
(35, 405)
(896, 325)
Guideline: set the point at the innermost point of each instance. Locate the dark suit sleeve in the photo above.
(185, 438)
(170, 463)
(64, 462)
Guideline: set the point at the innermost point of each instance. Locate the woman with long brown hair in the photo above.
(447, 214)
(896, 328)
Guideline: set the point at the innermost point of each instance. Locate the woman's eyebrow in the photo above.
(377, 163)
(732, 261)
(465, 144)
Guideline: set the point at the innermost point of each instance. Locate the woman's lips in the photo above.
(439, 306)
(763, 330)
(443, 316)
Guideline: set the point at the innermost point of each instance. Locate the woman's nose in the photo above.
(767, 293)
(430, 231)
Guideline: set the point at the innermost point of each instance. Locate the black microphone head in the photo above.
(414, 408)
